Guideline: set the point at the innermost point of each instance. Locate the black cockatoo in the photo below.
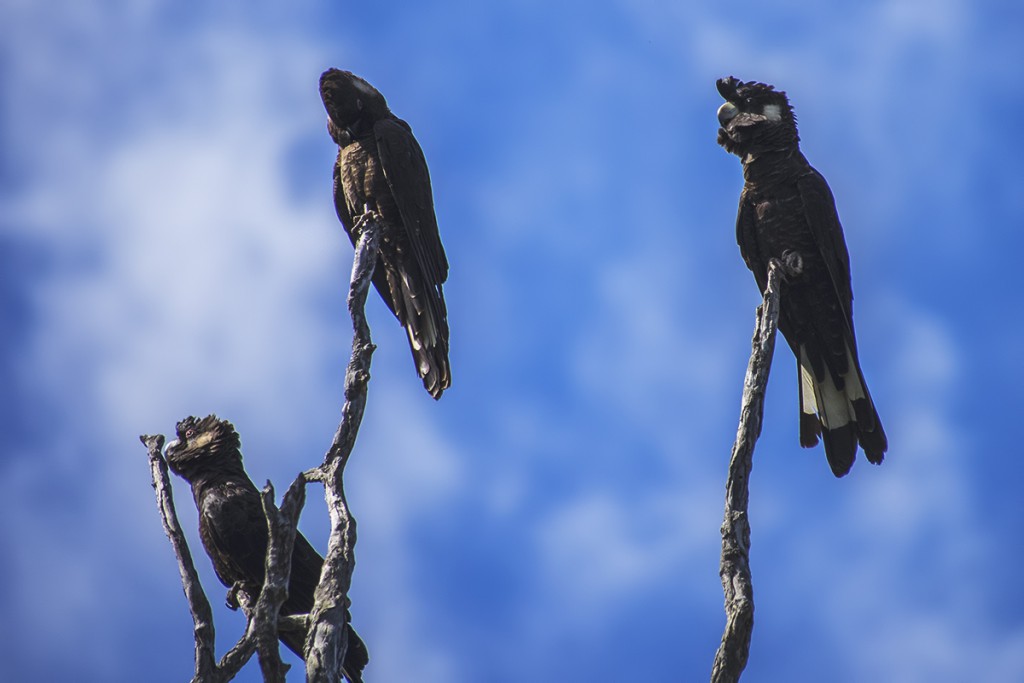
(787, 212)
(233, 528)
(380, 167)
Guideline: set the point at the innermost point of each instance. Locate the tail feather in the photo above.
(810, 426)
(873, 439)
(431, 364)
(840, 448)
(841, 412)
(425, 317)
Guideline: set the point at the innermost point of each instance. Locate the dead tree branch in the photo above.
(235, 658)
(199, 605)
(282, 526)
(731, 658)
(327, 638)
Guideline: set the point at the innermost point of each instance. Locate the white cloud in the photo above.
(643, 343)
(601, 548)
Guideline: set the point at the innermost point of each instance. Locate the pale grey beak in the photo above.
(727, 112)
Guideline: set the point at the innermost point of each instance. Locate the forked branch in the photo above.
(327, 634)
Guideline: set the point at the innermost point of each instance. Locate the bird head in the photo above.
(203, 445)
(348, 100)
(755, 118)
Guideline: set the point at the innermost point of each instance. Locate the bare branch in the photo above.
(202, 615)
(282, 527)
(237, 657)
(731, 658)
(327, 638)
(292, 623)
(357, 375)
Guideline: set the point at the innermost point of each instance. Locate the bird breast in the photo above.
(365, 184)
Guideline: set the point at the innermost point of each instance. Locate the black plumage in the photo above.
(787, 212)
(380, 167)
(233, 528)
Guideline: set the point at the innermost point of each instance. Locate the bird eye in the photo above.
(190, 433)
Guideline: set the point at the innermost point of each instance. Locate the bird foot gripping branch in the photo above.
(792, 264)
(368, 215)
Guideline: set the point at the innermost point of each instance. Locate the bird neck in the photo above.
(216, 476)
(361, 128)
(768, 167)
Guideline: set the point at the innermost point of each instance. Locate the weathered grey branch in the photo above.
(207, 669)
(282, 525)
(199, 606)
(235, 658)
(327, 638)
(731, 658)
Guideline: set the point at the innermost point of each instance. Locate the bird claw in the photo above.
(792, 264)
(367, 215)
(231, 599)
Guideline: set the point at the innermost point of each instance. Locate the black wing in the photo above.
(757, 262)
(746, 237)
(406, 171)
(423, 267)
(823, 220)
(306, 566)
(234, 531)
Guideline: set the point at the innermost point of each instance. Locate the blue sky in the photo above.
(168, 246)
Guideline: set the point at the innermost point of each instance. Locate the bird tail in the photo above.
(838, 408)
(425, 318)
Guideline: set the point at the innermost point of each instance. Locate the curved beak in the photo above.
(727, 112)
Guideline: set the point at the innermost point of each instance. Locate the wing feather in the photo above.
(746, 237)
(406, 171)
(820, 211)
(234, 531)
